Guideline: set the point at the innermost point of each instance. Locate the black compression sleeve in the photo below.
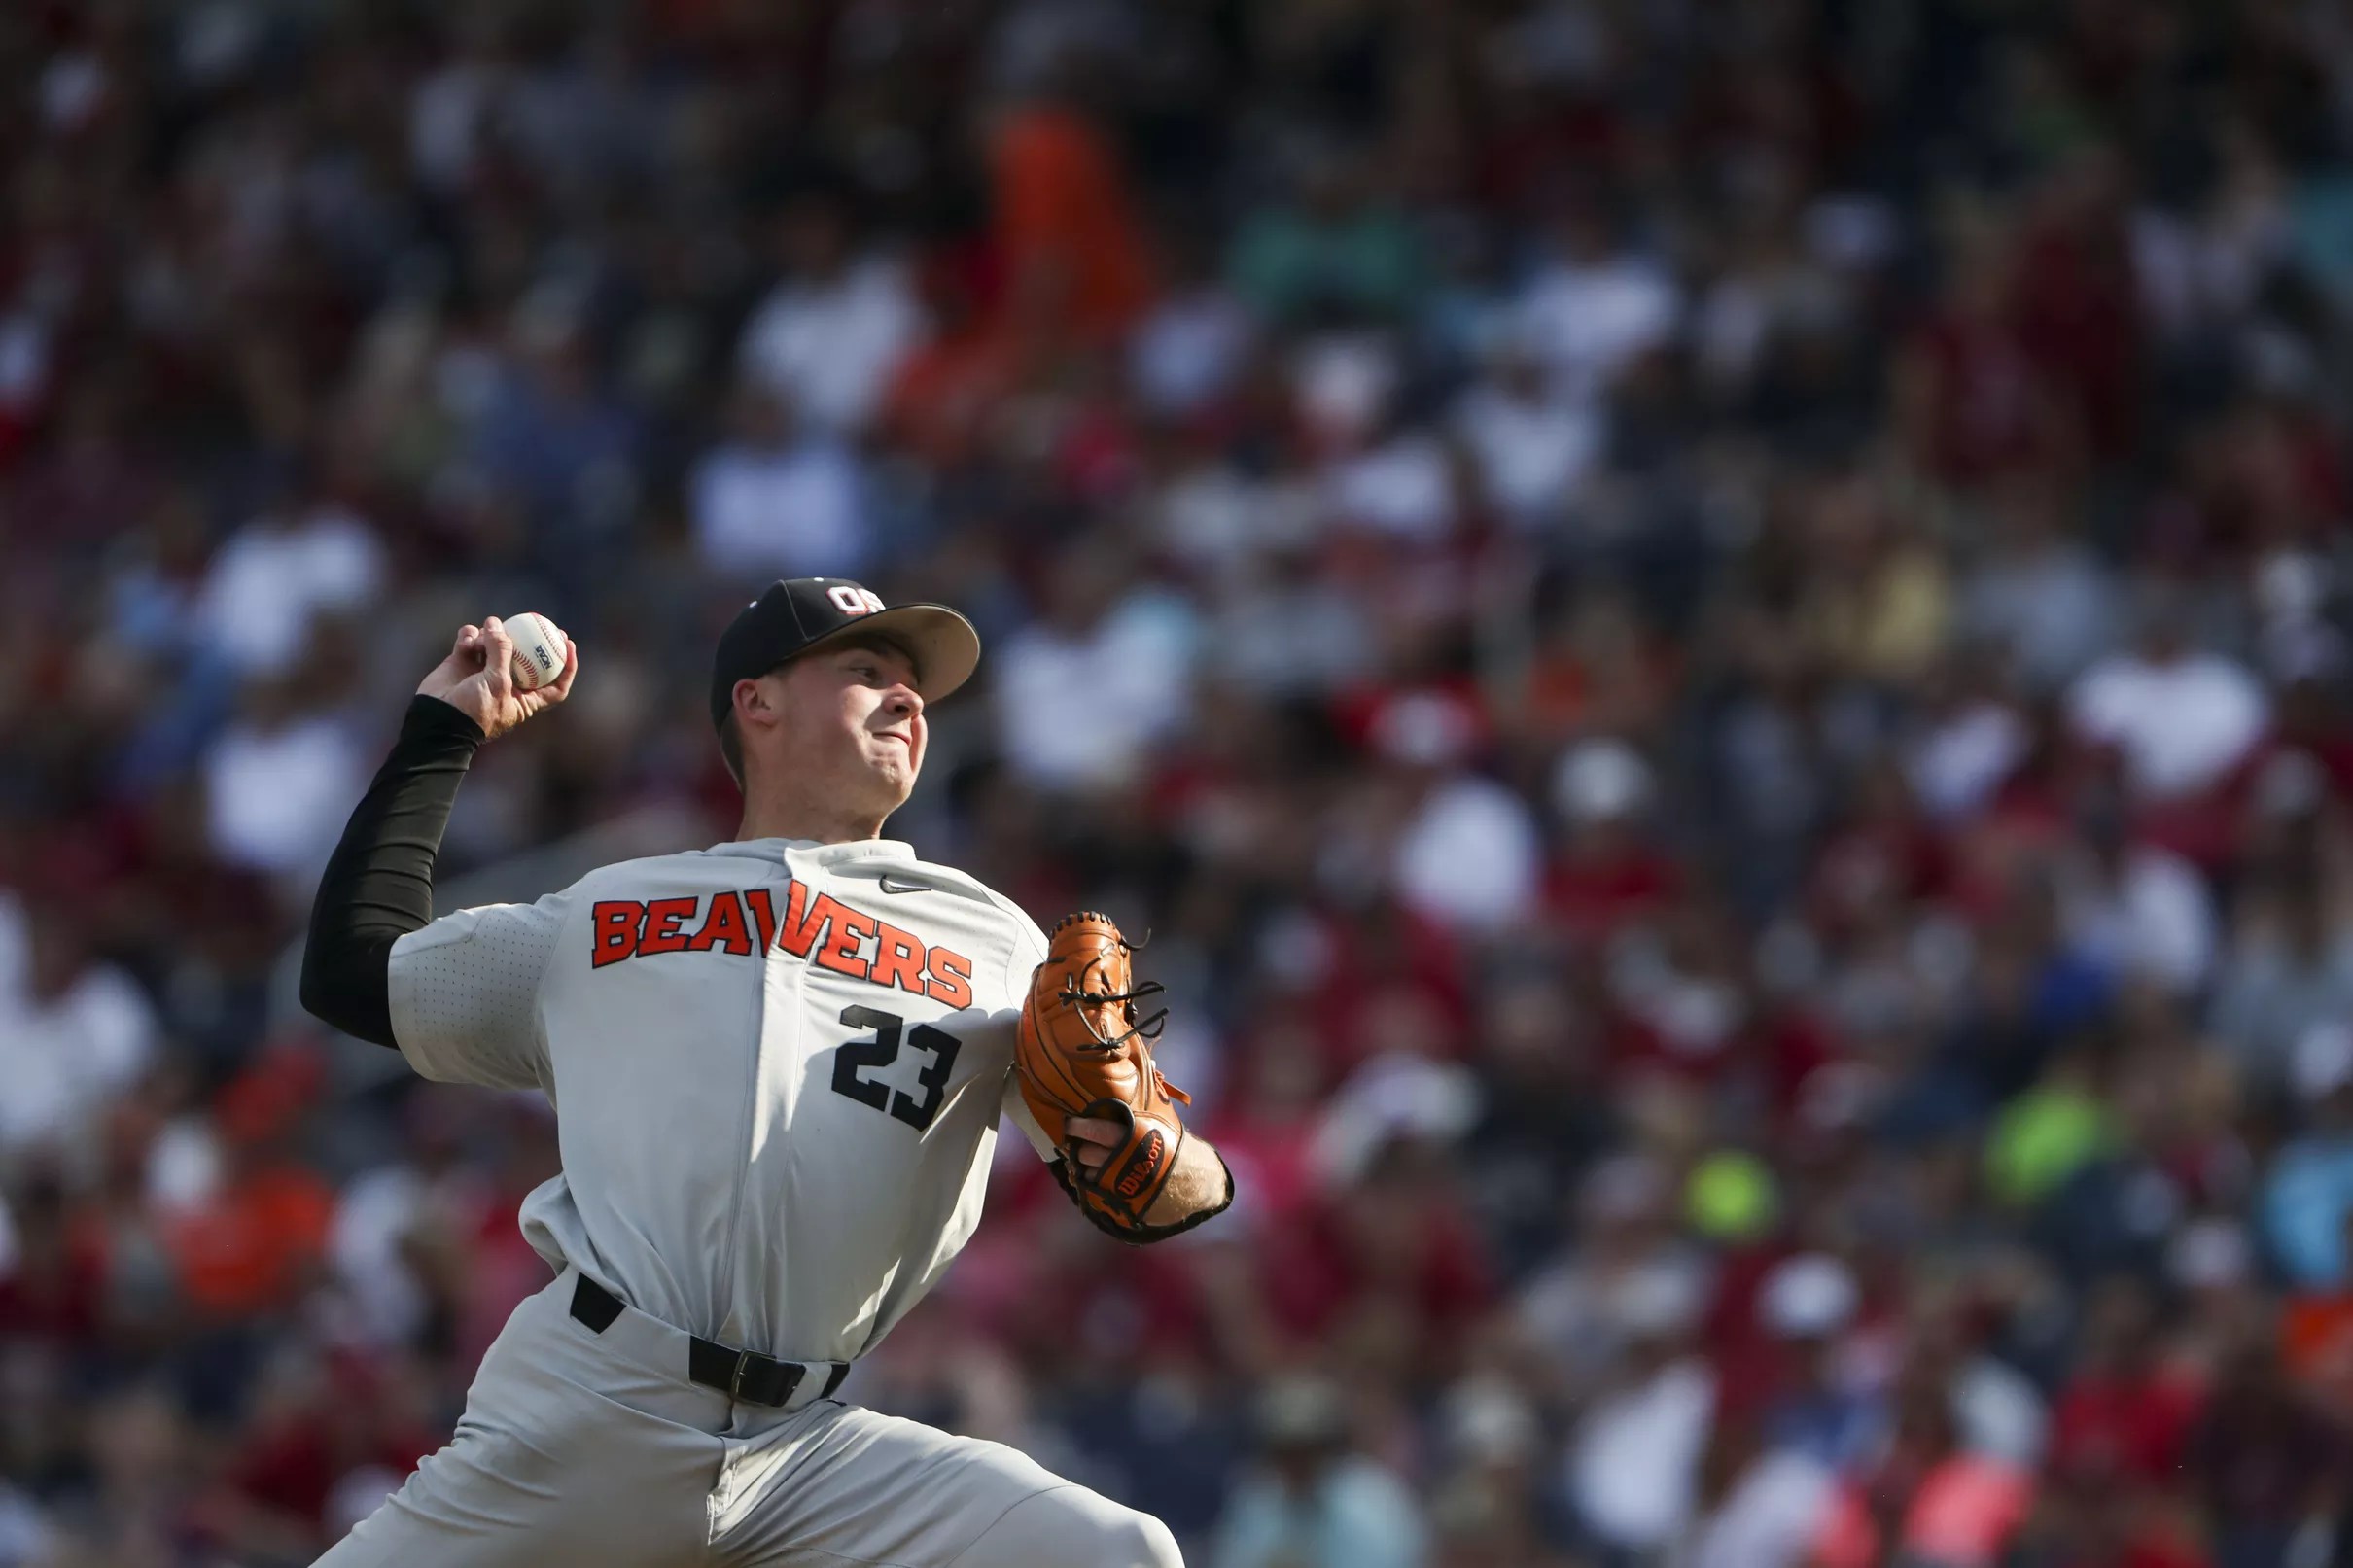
(379, 885)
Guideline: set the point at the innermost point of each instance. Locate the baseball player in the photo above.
(778, 1065)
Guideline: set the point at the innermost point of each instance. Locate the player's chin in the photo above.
(893, 772)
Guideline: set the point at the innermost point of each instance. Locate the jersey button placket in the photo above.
(773, 973)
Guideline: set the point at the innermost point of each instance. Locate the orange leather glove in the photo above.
(1085, 1049)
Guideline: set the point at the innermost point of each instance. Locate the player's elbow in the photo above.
(318, 993)
(344, 990)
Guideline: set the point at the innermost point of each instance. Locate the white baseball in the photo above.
(539, 651)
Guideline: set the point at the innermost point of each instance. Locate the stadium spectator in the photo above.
(1314, 1503)
(836, 327)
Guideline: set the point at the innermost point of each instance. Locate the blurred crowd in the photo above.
(1712, 634)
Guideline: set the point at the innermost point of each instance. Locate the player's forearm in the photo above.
(1199, 1187)
(379, 885)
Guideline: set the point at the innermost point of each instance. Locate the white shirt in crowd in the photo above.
(797, 509)
(1770, 1519)
(1530, 453)
(1188, 350)
(1999, 1412)
(2152, 920)
(831, 346)
(267, 582)
(375, 1216)
(1469, 856)
(276, 797)
(63, 1059)
(1956, 767)
(1634, 1460)
(1404, 487)
(1585, 321)
(2181, 725)
(1134, 665)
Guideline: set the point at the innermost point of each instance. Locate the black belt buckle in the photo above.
(762, 1381)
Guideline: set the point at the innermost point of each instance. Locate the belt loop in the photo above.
(735, 1382)
(594, 1305)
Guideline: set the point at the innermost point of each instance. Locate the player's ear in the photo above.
(752, 704)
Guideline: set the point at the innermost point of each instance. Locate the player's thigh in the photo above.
(847, 1485)
(499, 1498)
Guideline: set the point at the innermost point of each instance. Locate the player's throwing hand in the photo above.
(477, 678)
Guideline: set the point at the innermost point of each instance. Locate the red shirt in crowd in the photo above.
(2136, 1422)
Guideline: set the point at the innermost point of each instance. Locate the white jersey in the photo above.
(777, 1067)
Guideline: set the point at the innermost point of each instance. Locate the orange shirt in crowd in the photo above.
(2316, 1341)
(247, 1250)
(1074, 250)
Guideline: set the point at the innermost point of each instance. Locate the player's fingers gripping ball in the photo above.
(1085, 1049)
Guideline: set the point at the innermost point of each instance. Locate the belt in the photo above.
(737, 1373)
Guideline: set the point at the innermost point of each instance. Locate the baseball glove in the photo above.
(1085, 1049)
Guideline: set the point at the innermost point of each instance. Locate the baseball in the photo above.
(539, 651)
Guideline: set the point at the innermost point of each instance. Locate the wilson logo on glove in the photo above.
(1145, 1168)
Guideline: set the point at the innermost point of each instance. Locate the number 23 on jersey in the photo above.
(853, 1060)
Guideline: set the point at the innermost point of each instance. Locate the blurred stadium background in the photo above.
(1712, 636)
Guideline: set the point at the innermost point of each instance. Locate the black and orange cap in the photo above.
(798, 613)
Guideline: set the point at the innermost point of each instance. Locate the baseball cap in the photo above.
(797, 613)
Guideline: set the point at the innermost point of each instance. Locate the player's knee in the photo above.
(1072, 1527)
(1139, 1540)
(1116, 1536)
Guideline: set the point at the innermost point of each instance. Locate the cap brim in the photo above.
(946, 647)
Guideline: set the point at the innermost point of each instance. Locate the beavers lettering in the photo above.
(820, 928)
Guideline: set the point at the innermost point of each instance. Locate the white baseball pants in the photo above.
(594, 1449)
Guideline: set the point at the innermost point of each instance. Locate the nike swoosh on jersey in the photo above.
(889, 886)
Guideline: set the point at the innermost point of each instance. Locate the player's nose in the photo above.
(905, 700)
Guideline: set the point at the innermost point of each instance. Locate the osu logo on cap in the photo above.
(852, 600)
